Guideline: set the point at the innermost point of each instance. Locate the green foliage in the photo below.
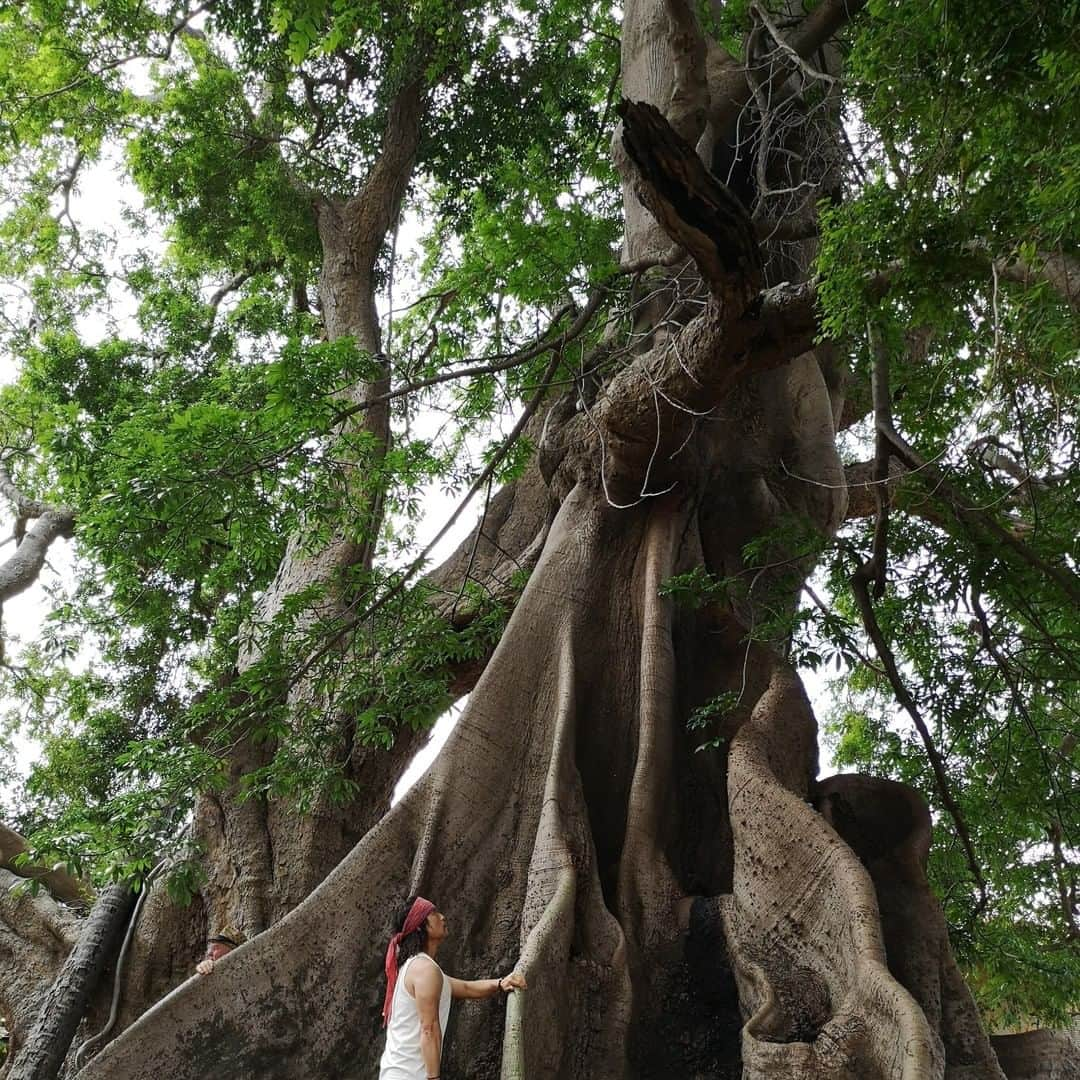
(175, 389)
(176, 394)
(711, 714)
(966, 116)
(206, 160)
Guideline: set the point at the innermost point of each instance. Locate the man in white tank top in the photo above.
(418, 994)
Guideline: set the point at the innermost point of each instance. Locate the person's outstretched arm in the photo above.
(485, 988)
(427, 989)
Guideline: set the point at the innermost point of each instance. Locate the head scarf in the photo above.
(418, 913)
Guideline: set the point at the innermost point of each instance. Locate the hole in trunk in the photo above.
(440, 732)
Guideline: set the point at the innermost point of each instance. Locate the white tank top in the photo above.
(401, 1060)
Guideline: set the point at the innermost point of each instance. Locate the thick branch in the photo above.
(1056, 269)
(20, 571)
(762, 15)
(862, 502)
(695, 210)
(25, 507)
(353, 231)
(387, 182)
(59, 883)
(648, 411)
(36, 933)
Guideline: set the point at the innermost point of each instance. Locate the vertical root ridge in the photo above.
(802, 924)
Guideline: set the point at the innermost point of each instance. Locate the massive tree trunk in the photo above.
(569, 815)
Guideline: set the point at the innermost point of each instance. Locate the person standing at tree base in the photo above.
(418, 994)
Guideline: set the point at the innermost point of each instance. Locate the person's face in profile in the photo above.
(436, 926)
(217, 949)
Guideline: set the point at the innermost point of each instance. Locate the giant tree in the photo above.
(715, 296)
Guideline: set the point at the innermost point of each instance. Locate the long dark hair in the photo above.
(412, 943)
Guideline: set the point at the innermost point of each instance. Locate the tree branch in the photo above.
(354, 621)
(759, 12)
(36, 933)
(59, 882)
(364, 220)
(860, 586)
(869, 576)
(1056, 269)
(940, 487)
(237, 281)
(61, 1009)
(647, 412)
(697, 211)
(731, 90)
(21, 570)
(179, 29)
(881, 399)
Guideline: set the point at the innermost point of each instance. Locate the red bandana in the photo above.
(420, 910)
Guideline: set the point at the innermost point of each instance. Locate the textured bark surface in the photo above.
(569, 815)
(36, 935)
(1039, 1055)
(59, 883)
(61, 1008)
(245, 886)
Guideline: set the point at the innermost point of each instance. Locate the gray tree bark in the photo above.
(36, 935)
(569, 812)
(1039, 1055)
(60, 884)
(62, 1007)
(21, 570)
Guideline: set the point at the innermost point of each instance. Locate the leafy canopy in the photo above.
(175, 390)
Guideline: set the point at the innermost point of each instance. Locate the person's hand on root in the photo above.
(508, 984)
